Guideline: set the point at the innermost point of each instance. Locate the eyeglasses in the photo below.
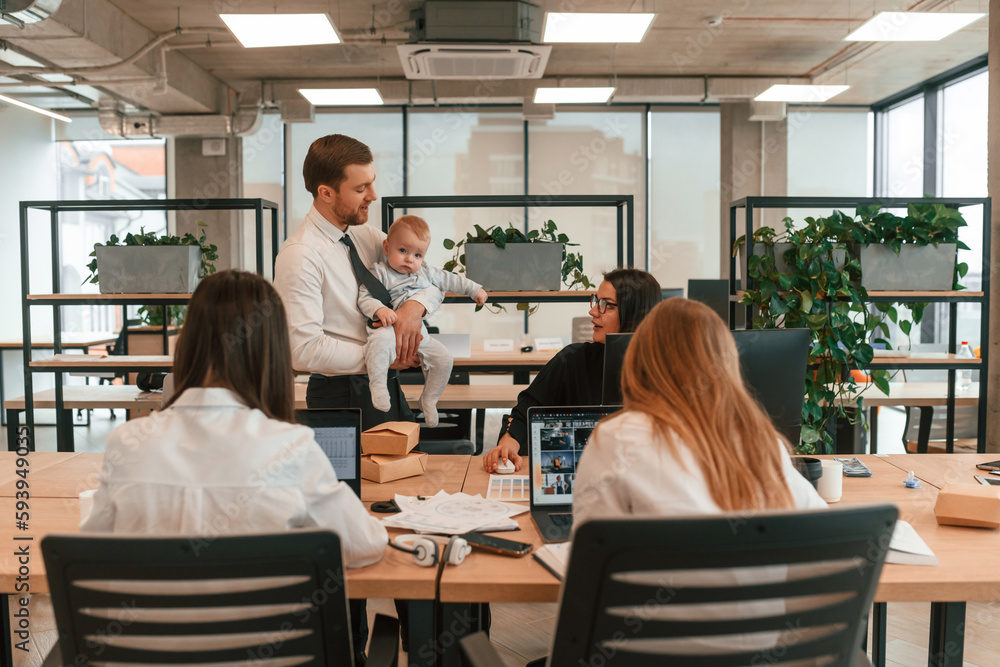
(601, 304)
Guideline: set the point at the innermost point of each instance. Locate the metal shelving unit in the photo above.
(58, 300)
(949, 364)
(624, 205)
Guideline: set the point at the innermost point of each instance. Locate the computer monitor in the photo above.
(671, 292)
(338, 432)
(615, 346)
(715, 294)
(773, 364)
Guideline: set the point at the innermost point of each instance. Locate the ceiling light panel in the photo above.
(573, 95)
(595, 28)
(911, 26)
(268, 30)
(799, 93)
(31, 107)
(17, 60)
(326, 97)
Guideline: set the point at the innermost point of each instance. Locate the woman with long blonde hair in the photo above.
(690, 439)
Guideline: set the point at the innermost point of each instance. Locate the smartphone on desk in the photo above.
(499, 546)
(992, 465)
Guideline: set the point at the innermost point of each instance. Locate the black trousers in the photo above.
(352, 391)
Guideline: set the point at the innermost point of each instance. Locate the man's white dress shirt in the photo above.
(317, 285)
(209, 465)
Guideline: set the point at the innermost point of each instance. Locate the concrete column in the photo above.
(197, 176)
(754, 162)
(992, 379)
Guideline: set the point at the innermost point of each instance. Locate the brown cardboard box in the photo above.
(382, 468)
(392, 438)
(968, 505)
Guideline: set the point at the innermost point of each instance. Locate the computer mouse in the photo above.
(505, 467)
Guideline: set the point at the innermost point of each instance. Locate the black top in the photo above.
(573, 377)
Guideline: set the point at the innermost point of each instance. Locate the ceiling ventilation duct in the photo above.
(485, 40)
(244, 122)
(21, 12)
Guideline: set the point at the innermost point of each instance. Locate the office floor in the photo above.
(523, 632)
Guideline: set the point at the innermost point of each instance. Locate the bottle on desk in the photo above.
(965, 374)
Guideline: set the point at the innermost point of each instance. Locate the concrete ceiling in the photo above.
(779, 39)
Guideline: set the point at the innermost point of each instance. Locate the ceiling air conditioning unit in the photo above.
(473, 61)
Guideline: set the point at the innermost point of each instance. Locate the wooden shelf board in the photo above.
(111, 362)
(103, 297)
(909, 295)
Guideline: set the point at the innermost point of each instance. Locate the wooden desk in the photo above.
(56, 479)
(967, 556)
(129, 397)
(69, 340)
(942, 469)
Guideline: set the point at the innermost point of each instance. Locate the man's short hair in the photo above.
(415, 224)
(328, 158)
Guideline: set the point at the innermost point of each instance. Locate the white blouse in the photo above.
(627, 469)
(209, 465)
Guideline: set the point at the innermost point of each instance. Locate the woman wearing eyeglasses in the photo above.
(574, 376)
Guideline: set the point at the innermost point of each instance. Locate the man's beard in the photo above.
(352, 219)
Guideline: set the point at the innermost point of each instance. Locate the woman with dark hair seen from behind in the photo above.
(690, 439)
(575, 375)
(223, 456)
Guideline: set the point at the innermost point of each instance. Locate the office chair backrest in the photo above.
(142, 601)
(773, 362)
(714, 293)
(740, 589)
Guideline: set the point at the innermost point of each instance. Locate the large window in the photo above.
(902, 150)
(684, 195)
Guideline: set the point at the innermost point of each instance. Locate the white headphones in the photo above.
(425, 549)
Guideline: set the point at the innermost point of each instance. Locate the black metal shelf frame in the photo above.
(258, 206)
(750, 204)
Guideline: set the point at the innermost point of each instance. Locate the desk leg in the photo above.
(480, 430)
(64, 429)
(13, 426)
(8, 645)
(457, 621)
(879, 623)
(3, 420)
(424, 643)
(873, 430)
(947, 638)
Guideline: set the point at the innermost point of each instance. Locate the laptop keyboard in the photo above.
(562, 520)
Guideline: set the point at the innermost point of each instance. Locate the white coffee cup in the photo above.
(86, 503)
(831, 484)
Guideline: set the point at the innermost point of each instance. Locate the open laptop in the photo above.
(338, 432)
(556, 438)
(615, 346)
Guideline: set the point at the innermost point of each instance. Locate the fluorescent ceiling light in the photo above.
(261, 30)
(29, 107)
(56, 78)
(573, 95)
(326, 97)
(594, 28)
(799, 93)
(911, 26)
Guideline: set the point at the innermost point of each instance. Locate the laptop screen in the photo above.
(557, 437)
(338, 432)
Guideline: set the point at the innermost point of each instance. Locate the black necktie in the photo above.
(365, 276)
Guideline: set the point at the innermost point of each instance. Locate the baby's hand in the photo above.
(386, 316)
(480, 297)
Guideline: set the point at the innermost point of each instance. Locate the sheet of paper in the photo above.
(451, 514)
(508, 487)
(907, 547)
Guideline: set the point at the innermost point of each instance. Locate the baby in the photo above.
(404, 274)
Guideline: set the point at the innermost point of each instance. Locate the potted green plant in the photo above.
(817, 281)
(513, 261)
(145, 263)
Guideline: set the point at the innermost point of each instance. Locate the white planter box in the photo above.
(915, 269)
(148, 269)
(520, 267)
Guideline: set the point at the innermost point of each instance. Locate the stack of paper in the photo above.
(452, 514)
(907, 547)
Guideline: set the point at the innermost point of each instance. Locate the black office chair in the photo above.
(453, 434)
(773, 363)
(714, 293)
(138, 600)
(739, 589)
